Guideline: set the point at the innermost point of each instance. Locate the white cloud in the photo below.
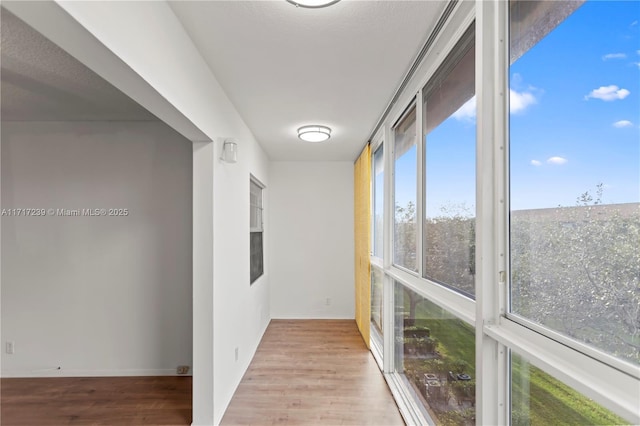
(614, 56)
(466, 112)
(557, 161)
(536, 163)
(623, 123)
(516, 79)
(608, 93)
(638, 64)
(519, 101)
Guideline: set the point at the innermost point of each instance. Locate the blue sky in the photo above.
(579, 121)
(575, 120)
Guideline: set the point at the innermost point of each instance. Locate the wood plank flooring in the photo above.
(312, 372)
(305, 372)
(112, 401)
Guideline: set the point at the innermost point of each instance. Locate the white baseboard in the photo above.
(313, 317)
(62, 372)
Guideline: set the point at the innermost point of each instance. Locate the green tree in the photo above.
(450, 247)
(577, 270)
(405, 231)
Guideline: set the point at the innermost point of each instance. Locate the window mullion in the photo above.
(419, 185)
(387, 290)
(389, 198)
(491, 356)
(501, 153)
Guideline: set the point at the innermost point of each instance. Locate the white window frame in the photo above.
(375, 261)
(609, 381)
(413, 105)
(598, 376)
(454, 302)
(378, 142)
(260, 227)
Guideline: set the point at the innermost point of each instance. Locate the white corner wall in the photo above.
(311, 240)
(96, 295)
(142, 48)
(150, 40)
(241, 311)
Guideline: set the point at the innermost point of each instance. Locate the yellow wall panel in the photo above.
(362, 226)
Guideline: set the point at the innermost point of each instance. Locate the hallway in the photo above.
(312, 372)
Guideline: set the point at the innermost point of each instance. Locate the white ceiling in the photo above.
(284, 67)
(281, 66)
(41, 82)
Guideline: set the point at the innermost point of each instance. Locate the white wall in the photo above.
(96, 295)
(149, 38)
(311, 240)
(241, 311)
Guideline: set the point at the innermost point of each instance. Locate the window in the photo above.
(554, 162)
(378, 200)
(405, 192)
(449, 178)
(575, 162)
(538, 398)
(435, 356)
(256, 230)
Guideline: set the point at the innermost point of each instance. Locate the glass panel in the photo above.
(377, 280)
(255, 206)
(435, 354)
(406, 193)
(575, 168)
(378, 201)
(256, 257)
(539, 399)
(450, 146)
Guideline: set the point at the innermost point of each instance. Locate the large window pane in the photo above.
(539, 399)
(435, 354)
(377, 277)
(450, 146)
(575, 170)
(378, 200)
(406, 192)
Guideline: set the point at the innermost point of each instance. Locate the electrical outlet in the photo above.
(182, 369)
(328, 301)
(10, 348)
(236, 354)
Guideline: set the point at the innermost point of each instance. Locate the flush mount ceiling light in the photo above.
(314, 133)
(313, 4)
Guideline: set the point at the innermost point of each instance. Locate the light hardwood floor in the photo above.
(305, 372)
(113, 401)
(312, 372)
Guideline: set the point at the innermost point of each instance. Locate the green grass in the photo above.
(457, 341)
(550, 402)
(457, 338)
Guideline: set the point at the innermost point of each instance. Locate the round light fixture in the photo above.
(314, 133)
(313, 4)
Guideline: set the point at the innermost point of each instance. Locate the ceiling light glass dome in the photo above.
(314, 133)
(313, 4)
